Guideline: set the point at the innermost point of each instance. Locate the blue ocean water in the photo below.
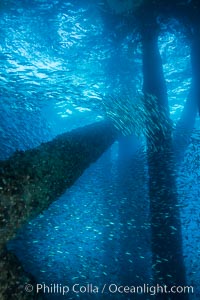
(59, 61)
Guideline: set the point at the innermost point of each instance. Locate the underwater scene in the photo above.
(99, 149)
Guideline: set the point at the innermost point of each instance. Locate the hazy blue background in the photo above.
(58, 61)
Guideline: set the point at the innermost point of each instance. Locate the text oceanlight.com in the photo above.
(108, 289)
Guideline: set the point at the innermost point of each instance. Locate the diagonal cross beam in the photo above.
(30, 181)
